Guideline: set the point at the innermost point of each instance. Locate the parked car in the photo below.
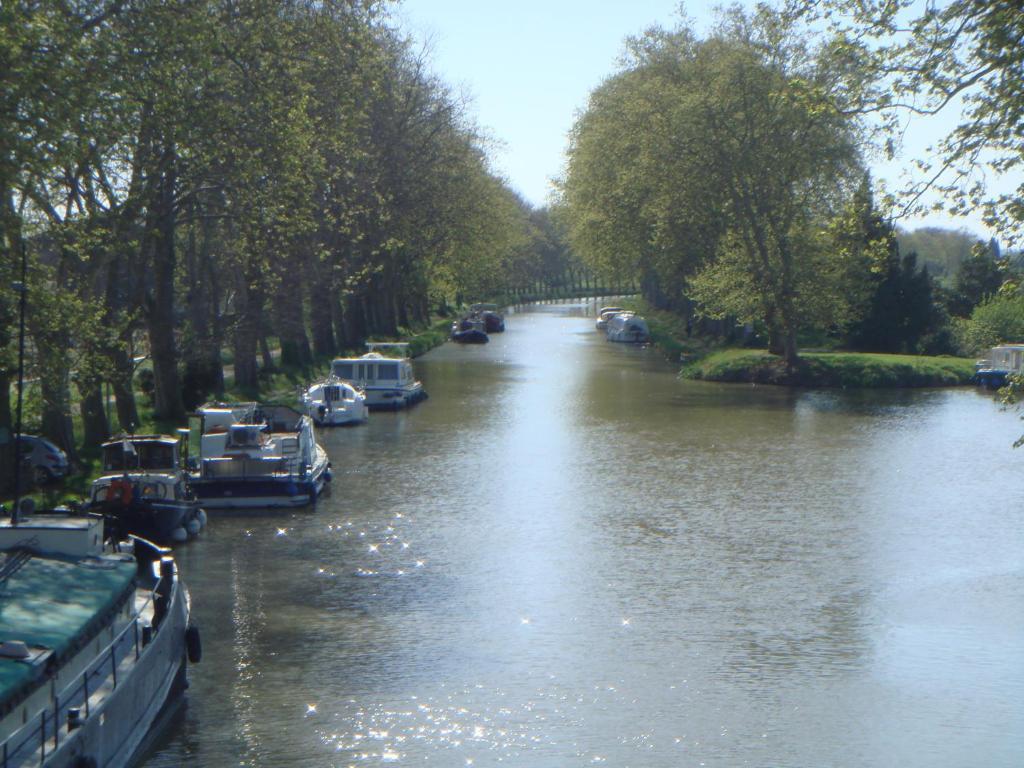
(42, 461)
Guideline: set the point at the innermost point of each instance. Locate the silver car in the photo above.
(42, 461)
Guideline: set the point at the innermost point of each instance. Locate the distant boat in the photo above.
(145, 491)
(254, 455)
(334, 402)
(493, 321)
(628, 327)
(604, 314)
(470, 329)
(387, 382)
(1002, 361)
(93, 642)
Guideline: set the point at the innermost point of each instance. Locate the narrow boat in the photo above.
(93, 642)
(628, 327)
(333, 402)
(145, 491)
(253, 455)
(387, 382)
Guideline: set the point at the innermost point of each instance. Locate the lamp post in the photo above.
(22, 288)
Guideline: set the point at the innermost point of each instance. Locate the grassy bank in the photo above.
(707, 359)
(832, 369)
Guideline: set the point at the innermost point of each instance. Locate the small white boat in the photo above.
(628, 327)
(254, 455)
(333, 402)
(387, 382)
(604, 314)
(93, 642)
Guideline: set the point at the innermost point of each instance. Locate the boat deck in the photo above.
(51, 604)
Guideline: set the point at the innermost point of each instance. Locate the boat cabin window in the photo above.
(344, 370)
(244, 436)
(387, 371)
(332, 393)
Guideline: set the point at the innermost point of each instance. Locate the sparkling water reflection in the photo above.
(569, 557)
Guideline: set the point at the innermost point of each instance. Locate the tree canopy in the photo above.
(715, 168)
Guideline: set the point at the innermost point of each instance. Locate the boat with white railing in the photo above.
(145, 491)
(253, 455)
(334, 402)
(93, 642)
(388, 382)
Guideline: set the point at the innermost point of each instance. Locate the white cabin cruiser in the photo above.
(145, 491)
(93, 642)
(333, 402)
(628, 327)
(387, 382)
(254, 455)
(604, 314)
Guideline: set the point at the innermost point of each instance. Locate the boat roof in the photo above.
(166, 439)
(374, 355)
(54, 603)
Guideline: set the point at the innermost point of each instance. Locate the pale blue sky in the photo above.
(527, 68)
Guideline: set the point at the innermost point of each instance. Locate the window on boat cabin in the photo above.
(387, 371)
(244, 435)
(332, 394)
(343, 370)
(155, 455)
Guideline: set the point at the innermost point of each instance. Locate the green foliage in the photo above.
(923, 59)
(942, 251)
(711, 169)
(978, 278)
(997, 320)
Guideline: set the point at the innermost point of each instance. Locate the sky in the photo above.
(526, 69)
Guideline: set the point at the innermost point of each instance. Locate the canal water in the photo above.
(569, 557)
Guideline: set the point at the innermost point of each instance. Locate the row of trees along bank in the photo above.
(727, 174)
(197, 176)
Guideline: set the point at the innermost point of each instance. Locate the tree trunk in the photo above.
(248, 328)
(291, 326)
(321, 316)
(204, 371)
(56, 415)
(94, 414)
(338, 323)
(167, 402)
(7, 453)
(124, 392)
(356, 328)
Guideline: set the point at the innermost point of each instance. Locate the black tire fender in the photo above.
(193, 644)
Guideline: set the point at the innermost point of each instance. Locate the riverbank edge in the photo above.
(703, 359)
(280, 385)
(831, 370)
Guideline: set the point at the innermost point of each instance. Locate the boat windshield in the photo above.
(128, 455)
